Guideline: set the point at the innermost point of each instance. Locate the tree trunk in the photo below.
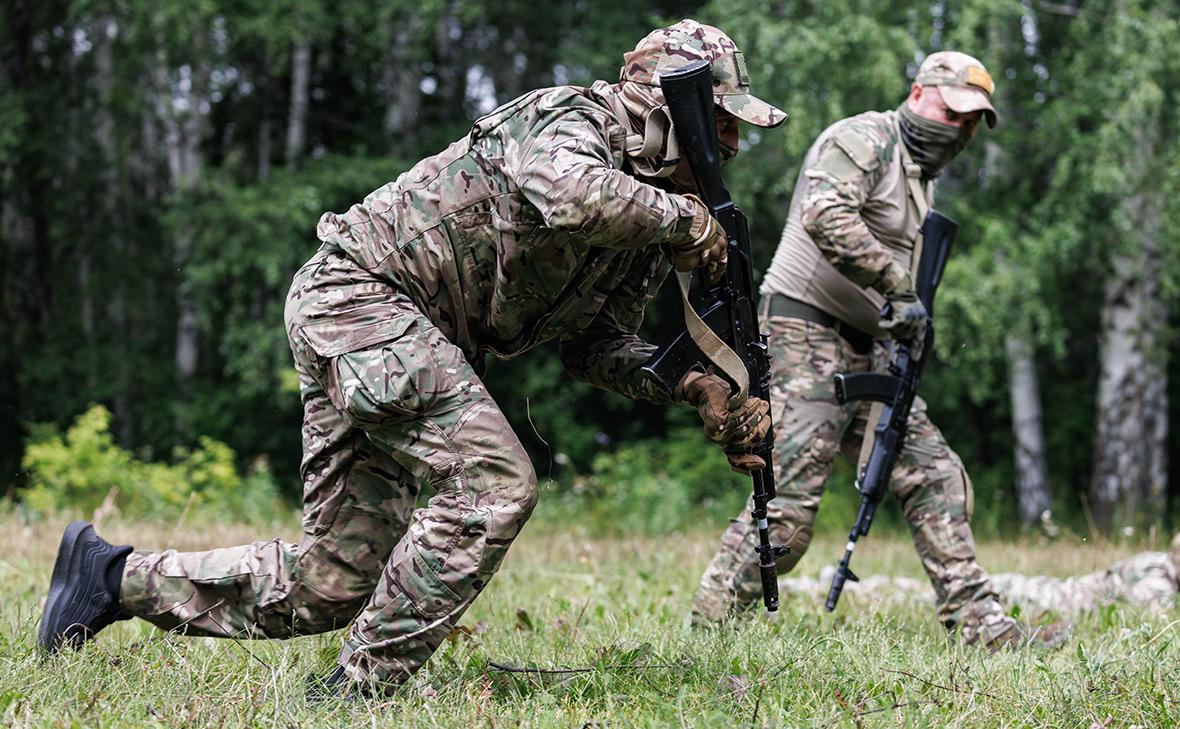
(451, 71)
(401, 74)
(264, 148)
(1130, 468)
(182, 138)
(187, 344)
(297, 113)
(1032, 482)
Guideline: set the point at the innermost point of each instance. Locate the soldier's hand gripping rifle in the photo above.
(722, 329)
(895, 390)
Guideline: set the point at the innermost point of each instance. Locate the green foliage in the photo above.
(656, 486)
(83, 470)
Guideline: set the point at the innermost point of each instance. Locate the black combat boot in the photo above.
(84, 590)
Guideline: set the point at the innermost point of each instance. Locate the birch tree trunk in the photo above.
(297, 112)
(1130, 455)
(1024, 388)
(181, 111)
(1129, 487)
(1032, 482)
(401, 73)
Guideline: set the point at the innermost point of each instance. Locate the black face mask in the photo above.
(932, 144)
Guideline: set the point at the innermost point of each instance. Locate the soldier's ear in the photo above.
(915, 93)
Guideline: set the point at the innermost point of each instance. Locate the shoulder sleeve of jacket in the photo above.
(609, 353)
(567, 171)
(846, 169)
(866, 145)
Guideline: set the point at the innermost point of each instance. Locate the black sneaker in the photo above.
(84, 590)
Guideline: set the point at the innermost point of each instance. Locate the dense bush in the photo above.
(84, 470)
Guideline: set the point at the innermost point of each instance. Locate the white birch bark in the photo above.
(297, 112)
(1129, 485)
(1032, 481)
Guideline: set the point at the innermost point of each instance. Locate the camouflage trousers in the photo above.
(389, 406)
(811, 429)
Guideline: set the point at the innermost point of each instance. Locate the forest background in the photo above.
(163, 165)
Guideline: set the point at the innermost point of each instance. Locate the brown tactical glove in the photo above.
(736, 431)
(706, 245)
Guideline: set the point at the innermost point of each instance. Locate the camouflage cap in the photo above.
(962, 80)
(687, 41)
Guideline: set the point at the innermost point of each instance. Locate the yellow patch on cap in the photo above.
(978, 76)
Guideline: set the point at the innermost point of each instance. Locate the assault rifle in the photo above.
(896, 390)
(728, 308)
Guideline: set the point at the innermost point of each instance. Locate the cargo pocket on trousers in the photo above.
(353, 368)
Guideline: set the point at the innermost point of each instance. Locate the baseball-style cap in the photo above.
(962, 80)
(687, 41)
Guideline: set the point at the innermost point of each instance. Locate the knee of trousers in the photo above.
(507, 489)
(335, 572)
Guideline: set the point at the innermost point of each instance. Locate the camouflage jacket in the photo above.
(850, 216)
(528, 229)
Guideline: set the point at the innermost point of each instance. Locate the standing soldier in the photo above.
(863, 190)
(557, 217)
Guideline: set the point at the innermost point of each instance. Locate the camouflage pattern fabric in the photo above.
(811, 429)
(848, 168)
(1148, 580)
(390, 406)
(851, 225)
(678, 45)
(523, 232)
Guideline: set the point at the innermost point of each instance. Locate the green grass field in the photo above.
(613, 612)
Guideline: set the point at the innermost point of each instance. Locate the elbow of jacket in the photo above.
(571, 216)
(572, 358)
(813, 219)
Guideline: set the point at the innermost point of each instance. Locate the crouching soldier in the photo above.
(557, 217)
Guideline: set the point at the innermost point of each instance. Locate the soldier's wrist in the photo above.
(684, 391)
(894, 280)
(683, 228)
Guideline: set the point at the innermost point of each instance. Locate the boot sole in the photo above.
(64, 589)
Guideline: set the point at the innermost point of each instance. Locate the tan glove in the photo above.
(706, 246)
(904, 316)
(736, 431)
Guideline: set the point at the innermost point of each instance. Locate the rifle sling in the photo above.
(711, 345)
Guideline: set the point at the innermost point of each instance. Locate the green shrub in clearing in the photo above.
(656, 486)
(83, 469)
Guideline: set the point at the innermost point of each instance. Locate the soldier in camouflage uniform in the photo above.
(1147, 580)
(557, 217)
(861, 195)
